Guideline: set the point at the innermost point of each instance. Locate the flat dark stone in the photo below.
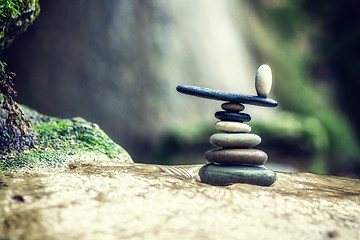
(232, 117)
(226, 96)
(222, 175)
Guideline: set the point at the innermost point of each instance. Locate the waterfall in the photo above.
(117, 63)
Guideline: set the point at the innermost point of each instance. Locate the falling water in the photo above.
(118, 63)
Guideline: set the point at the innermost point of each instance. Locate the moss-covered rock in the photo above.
(15, 17)
(63, 141)
(51, 141)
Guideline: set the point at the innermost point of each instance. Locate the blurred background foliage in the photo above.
(312, 50)
(118, 62)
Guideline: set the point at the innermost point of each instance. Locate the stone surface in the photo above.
(135, 201)
(226, 96)
(58, 141)
(263, 80)
(236, 156)
(235, 140)
(232, 127)
(220, 175)
(15, 23)
(232, 107)
(233, 117)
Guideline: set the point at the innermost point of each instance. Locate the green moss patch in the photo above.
(75, 134)
(59, 140)
(9, 8)
(15, 17)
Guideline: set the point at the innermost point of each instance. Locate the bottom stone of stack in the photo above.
(222, 175)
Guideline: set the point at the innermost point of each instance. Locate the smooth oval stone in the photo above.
(232, 107)
(232, 127)
(234, 117)
(226, 96)
(235, 140)
(263, 80)
(236, 156)
(220, 175)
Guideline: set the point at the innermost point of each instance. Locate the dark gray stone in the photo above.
(226, 96)
(232, 117)
(220, 175)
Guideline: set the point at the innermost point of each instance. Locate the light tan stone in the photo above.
(263, 80)
(236, 156)
(235, 140)
(139, 201)
(232, 107)
(232, 127)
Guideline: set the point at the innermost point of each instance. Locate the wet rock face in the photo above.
(15, 18)
(85, 201)
(58, 141)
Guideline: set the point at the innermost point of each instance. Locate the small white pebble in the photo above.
(263, 80)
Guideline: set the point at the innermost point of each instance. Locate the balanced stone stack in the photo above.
(235, 160)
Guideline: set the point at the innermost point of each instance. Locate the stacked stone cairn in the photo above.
(235, 160)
